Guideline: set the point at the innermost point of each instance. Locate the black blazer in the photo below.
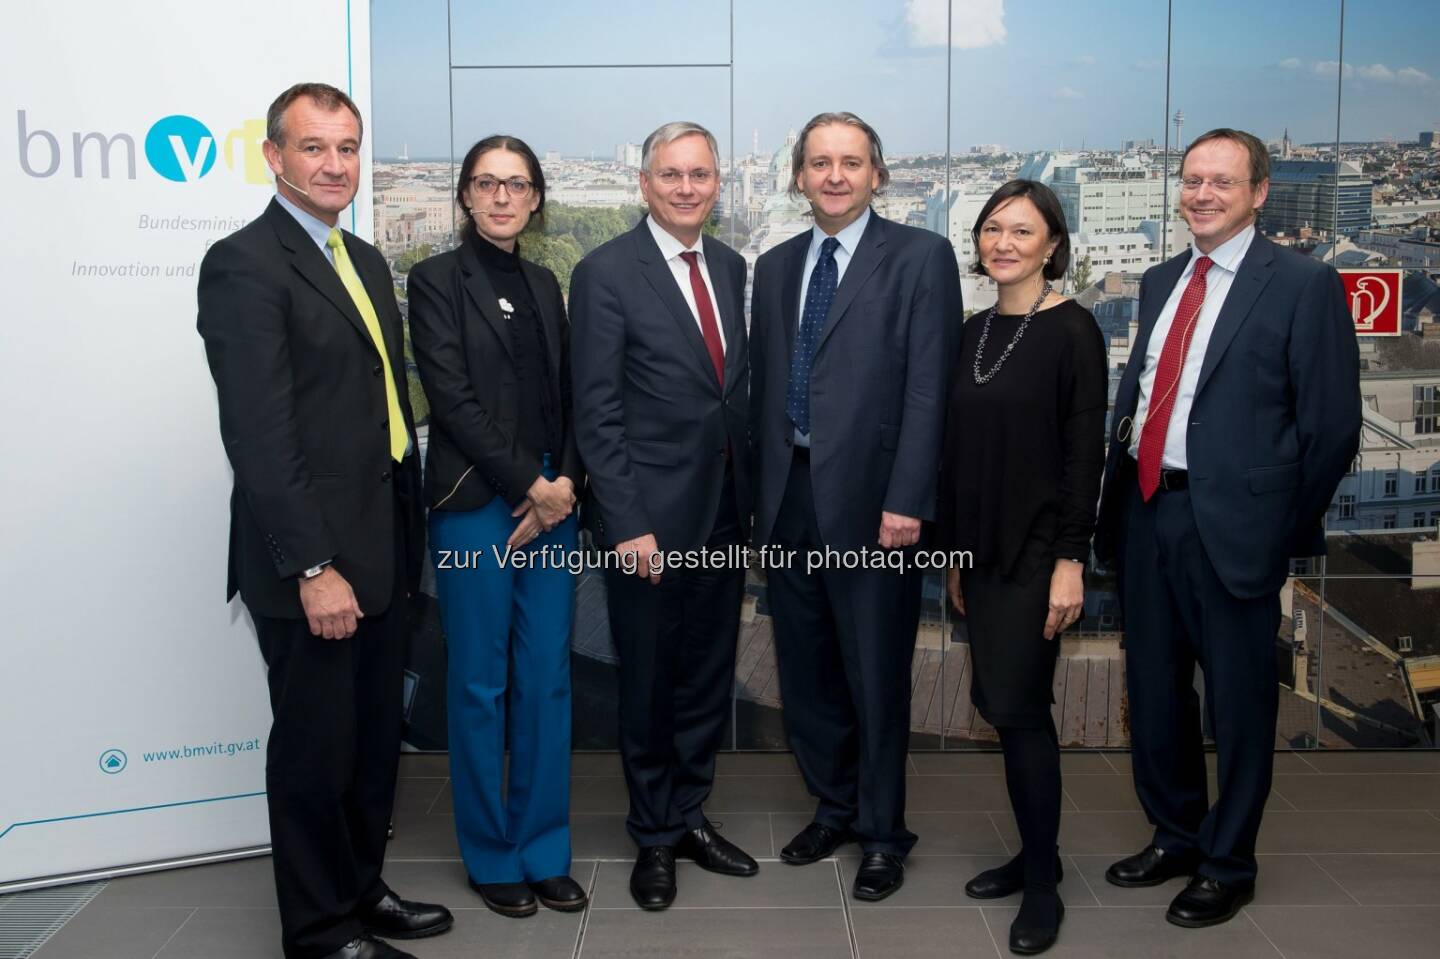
(652, 422)
(466, 362)
(877, 387)
(1276, 418)
(303, 415)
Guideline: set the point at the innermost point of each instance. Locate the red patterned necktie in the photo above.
(709, 329)
(1167, 380)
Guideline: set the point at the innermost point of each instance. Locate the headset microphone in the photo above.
(292, 186)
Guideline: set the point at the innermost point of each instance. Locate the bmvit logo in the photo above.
(179, 148)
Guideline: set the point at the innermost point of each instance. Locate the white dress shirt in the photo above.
(670, 249)
(1226, 261)
(848, 238)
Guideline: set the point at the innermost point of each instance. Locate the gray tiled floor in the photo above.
(1349, 866)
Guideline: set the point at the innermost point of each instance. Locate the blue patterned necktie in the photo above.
(818, 297)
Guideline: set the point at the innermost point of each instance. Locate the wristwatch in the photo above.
(315, 570)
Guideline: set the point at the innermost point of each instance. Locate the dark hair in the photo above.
(1049, 206)
(325, 96)
(797, 152)
(502, 141)
(1249, 142)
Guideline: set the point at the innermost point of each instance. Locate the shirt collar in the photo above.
(318, 229)
(670, 247)
(849, 237)
(1227, 255)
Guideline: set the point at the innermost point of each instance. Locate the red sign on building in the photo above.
(1374, 300)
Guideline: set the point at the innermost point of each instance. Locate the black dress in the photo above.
(1020, 479)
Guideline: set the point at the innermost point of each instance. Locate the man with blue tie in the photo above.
(1237, 416)
(851, 328)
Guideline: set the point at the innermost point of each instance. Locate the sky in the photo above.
(1024, 74)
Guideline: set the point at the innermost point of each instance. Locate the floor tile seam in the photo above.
(1283, 798)
(737, 908)
(166, 944)
(1076, 870)
(585, 914)
(845, 910)
(999, 834)
(1260, 929)
(431, 809)
(991, 932)
(770, 819)
(1353, 898)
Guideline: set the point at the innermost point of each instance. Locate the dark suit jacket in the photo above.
(1275, 422)
(466, 362)
(303, 415)
(878, 386)
(652, 422)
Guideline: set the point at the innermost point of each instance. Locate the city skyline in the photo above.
(1092, 81)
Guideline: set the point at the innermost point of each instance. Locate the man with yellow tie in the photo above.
(303, 338)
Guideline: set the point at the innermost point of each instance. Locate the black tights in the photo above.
(1032, 777)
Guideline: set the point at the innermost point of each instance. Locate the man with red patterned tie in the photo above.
(1237, 416)
(662, 386)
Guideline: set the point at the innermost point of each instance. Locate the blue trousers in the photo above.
(507, 633)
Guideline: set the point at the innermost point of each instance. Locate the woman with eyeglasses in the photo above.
(1020, 478)
(492, 347)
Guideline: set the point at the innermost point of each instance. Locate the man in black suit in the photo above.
(1238, 414)
(304, 342)
(851, 331)
(661, 391)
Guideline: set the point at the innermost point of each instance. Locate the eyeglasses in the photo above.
(1221, 184)
(699, 177)
(517, 186)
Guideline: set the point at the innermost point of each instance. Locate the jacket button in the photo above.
(384, 424)
(385, 477)
(377, 370)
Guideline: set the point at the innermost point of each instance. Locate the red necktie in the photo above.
(708, 327)
(1167, 379)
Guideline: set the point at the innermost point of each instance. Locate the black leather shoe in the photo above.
(813, 843)
(652, 881)
(879, 875)
(1150, 867)
(560, 893)
(402, 919)
(1005, 880)
(714, 852)
(368, 947)
(513, 899)
(1037, 926)
(1208, 902)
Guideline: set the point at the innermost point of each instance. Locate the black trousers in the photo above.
(330, 765)
(843, 645)
(1178, 614)
(676, 642)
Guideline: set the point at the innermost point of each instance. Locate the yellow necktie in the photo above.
(356, 289)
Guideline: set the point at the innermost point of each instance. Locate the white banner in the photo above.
(133, 708)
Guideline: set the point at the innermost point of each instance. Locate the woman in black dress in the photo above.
(1024, 450)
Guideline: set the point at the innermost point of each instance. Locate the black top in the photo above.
(1024, 452)
(537, 429)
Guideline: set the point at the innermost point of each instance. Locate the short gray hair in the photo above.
(797, 152)
(669, 133)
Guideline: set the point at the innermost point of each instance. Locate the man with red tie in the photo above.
(1237, 416)
(662, 389)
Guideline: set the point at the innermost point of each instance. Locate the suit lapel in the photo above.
(313, 265)
(1255, 271)
(657, 273)
(482, 294)
(869, 253)
(792, 271)
(548, 318)
(1166, 276)
(732, 325)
